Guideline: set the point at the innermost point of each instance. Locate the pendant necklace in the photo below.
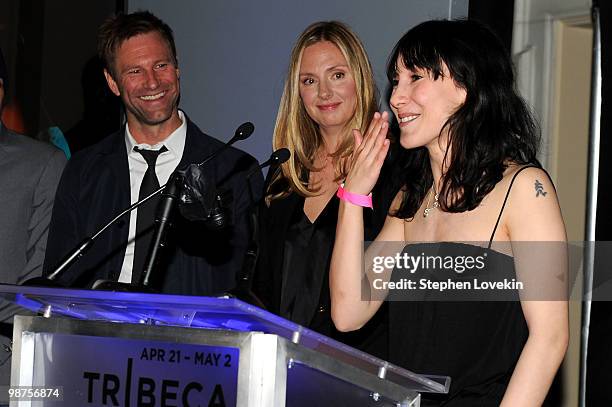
(435, 205)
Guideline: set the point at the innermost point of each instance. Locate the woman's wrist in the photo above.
(355, 199)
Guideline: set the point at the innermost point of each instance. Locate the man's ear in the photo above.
(111, 83)
(178, 73)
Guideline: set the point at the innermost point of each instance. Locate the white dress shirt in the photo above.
(165, 165)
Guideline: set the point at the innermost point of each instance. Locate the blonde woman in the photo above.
(329, 91)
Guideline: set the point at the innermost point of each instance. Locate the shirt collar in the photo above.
(175, 142)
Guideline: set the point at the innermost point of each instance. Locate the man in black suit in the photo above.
(98, 182)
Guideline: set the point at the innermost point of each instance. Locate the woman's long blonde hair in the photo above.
(295, 130)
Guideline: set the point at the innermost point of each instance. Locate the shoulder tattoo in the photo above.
(539, 188)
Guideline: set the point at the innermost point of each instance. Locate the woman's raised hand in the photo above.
(368, 156)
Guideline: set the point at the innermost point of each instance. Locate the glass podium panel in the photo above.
(206, 313)
(308, 387)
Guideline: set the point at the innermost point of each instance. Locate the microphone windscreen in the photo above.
(244, 131)
(280, 156)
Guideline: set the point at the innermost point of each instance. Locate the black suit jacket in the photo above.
(95, 187)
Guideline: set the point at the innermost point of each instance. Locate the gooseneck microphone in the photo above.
(170, 196)
(82, 248)
(243, 290)
(276, 158)
(241, 133)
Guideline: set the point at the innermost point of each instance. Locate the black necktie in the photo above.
(145, 215)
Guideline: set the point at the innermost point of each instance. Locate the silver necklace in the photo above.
(435, 205)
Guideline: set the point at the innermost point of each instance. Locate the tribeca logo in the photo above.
(150, 392)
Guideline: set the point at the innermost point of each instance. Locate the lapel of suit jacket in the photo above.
(115, 157)
(196, 149)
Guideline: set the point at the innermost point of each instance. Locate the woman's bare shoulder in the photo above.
(532, 209)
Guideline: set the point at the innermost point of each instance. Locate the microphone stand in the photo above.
(163, 218)
(243, 290)
(164, 213)
(170, 195)
(82, 248)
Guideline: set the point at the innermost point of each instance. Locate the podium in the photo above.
(99, 348)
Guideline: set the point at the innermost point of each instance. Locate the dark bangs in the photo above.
(418, 50)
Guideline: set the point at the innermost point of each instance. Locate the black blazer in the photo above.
(95, 187)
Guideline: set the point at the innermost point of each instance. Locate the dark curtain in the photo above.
(498, 15)
(599, 356)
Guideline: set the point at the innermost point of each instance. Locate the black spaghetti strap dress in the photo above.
(477, 343)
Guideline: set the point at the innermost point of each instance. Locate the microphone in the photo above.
(241, 133)
(171, 194)
(199, 200)
(277, 157)
(243, 291)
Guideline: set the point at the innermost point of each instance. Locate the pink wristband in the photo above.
(355, 199)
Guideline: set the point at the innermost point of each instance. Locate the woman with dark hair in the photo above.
(329, 91)
(472, 177)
